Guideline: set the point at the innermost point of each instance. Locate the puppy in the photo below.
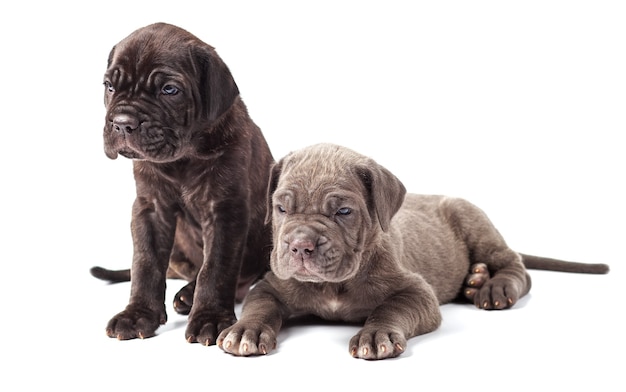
(200, 166)
(349, 244)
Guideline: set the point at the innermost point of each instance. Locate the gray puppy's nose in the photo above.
(124, 123)
(302, 247)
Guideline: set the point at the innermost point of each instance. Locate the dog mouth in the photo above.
(313, 273)
(312, 252)
(115, 145)
(144, 143)
(329, 265)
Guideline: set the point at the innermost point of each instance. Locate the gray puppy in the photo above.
(351, 245)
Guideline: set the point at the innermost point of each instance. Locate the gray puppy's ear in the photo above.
(275, 171)
(218, 89)
(384, 192)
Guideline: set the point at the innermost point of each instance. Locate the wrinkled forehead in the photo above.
(154, 49)
(317, 175)
(316, 196)
(148, 56)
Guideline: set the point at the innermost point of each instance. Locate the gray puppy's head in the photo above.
(328, 206)
(163, 90)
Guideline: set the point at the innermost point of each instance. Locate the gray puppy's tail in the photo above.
(548, 264)
(113, 276)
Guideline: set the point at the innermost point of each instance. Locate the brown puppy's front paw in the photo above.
(476, 278)
(204, 327)
(371, 343)
(135, 322)
(246, 339)
(184, 299)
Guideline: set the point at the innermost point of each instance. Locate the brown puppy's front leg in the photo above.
(216, 284)
(255, 333)
(410, 312)
(153, 236)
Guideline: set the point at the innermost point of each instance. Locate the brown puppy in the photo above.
(200, 166)
(350, 245)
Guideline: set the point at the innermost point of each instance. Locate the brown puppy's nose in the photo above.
(302, 248)
(124, 123)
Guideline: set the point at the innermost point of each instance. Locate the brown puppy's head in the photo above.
(163, 90)
(328, 204)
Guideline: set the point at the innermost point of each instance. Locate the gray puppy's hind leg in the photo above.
(509, 280)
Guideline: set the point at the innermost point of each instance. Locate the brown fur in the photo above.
(201, 167)
(351, 245)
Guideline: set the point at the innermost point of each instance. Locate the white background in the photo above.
(517, 106)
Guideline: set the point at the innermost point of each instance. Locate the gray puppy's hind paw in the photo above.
(476, 278)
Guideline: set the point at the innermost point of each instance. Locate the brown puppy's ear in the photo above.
(275, 171)
(218, 89)
(384, 192)
(110, 59)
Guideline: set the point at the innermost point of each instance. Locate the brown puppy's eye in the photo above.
(168, 89)
(109, 87)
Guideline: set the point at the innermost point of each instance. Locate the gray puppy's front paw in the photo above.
(373, 343)
(246, 339)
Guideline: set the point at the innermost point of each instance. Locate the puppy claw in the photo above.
(382, 348)
(207, 342)
(140, 334)
(399, 347)
(190, 339)
(244, 348)
(496, 304)
(365, 352)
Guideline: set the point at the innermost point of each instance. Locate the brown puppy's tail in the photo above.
(545, 263)
(113, 276)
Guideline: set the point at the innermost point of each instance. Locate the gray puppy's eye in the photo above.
(344, 211)
(280, 209)
(168, 89)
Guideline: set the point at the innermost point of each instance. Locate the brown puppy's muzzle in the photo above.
(120, 126)
(132, 134)
(122, 129)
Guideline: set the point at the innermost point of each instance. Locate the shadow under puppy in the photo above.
(201, 166)
(351, 245)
